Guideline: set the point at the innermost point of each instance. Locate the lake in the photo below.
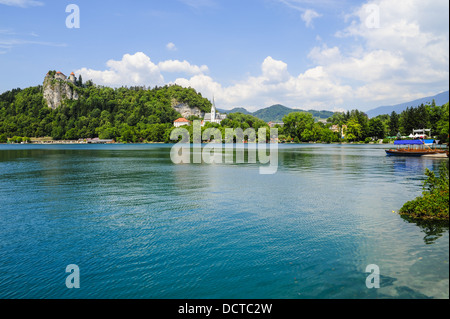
(139, 226)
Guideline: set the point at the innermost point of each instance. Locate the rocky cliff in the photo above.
(58, 88)
(185, 110)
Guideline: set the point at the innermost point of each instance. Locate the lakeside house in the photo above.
(49, 140)
(421, 133)
(98, 141)
(340, 130)
(181, 122)
(272, 124)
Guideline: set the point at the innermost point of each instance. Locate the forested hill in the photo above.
(275, 113)
(439, 99)
(132, 114)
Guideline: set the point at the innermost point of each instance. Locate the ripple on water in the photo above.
(140, 227)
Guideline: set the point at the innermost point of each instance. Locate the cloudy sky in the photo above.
(307, 54)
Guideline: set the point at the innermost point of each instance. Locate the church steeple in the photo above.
(214, 116)
(213, 110)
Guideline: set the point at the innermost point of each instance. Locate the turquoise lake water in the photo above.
(139, 226)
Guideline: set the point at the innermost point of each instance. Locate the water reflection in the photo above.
(403, 165)
(433, 229)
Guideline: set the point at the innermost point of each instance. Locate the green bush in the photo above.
(16, 139)
(3, 138)
(433, 204)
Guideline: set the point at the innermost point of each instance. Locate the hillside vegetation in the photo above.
(139, 114)
(275, 113)
(125, 114)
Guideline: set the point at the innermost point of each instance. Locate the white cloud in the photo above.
(171, 46)
(135, 69)
(308, 17)
(370, 66)
(274, 71)
(22, 3)
(406, 58)
(7, 31)
(181, 66)
(9, 44)
(312, 89)
(138, 69)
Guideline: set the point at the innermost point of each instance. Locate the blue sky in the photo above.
(307, 54)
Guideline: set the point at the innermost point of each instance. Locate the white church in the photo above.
(214, 116)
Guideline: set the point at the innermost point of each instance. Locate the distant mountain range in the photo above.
(275, 113)
(440, 99)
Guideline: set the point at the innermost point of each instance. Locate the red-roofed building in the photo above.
(181, 122)
(60, 75)
(72, 78)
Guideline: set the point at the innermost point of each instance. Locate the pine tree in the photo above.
(394, 124)
(80, 81)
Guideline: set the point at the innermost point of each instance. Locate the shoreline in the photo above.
(143, 143)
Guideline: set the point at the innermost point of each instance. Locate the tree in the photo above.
(422, 117)
(394, 124)
(71, 134)
(297, 122)
(376, 128)
(408, 121)
(363, 121)
(80, 81)
(443, 124)
(353, 132)
(307, 135)
(327, 136)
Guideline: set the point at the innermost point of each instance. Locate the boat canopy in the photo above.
(414, 142)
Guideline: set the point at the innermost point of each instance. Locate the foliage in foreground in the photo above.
(433, 204)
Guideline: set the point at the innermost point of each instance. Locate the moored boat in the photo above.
(416, 148)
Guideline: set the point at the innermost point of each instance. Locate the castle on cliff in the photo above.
(59, 75)
(58, 87)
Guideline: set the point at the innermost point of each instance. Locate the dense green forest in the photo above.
(355, 126)
(139, 114)
(360, 128)
(125, 114)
